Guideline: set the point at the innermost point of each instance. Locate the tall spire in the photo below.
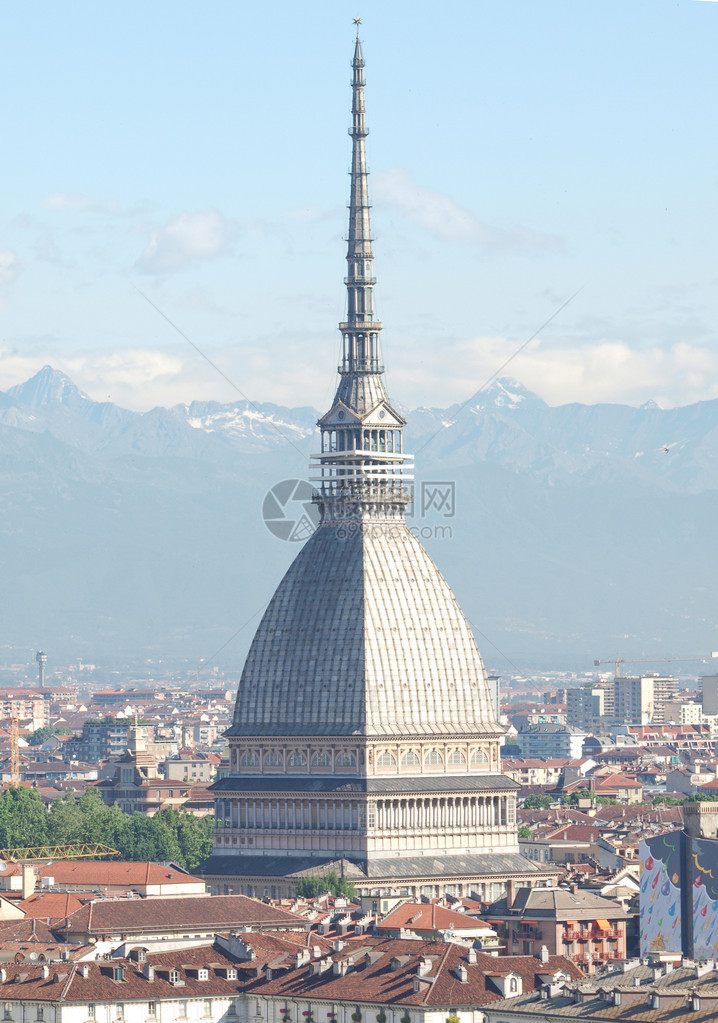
(360, 259)
(362, 468)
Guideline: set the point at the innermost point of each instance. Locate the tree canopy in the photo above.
(171, 835)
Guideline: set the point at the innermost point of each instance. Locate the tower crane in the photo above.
(618, 661)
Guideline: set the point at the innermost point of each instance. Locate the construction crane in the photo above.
(14, 751)
(651, 660)
(84, 851)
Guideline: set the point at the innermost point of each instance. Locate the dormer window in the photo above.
(202, 974)
(513, 985)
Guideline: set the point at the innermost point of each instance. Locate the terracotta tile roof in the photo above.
(418, 916)
(176, 913)
(50, 905)
(372, 979)
(26, 931)
(117, 873)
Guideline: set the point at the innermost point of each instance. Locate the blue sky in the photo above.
(519, 151)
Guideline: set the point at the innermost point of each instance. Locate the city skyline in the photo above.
(518, 155)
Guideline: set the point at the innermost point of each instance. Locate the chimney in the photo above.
(543, 954)
(85, 971)
(510, 893)
(148, 972)
(471, 956)
(45, 972)
(3, 976)
(28, 880)
(424, 966)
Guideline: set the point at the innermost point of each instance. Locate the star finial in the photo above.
(357, 22)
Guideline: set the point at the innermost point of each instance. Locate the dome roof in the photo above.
(363, 637)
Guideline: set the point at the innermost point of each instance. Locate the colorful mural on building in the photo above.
(662, 872)
(679, 895)
(703, 873)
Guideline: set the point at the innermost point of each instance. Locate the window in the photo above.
(40, 1013)
(457, 758)
(152, 1008)
(249, 758)
(345, 759)
(296, 759)
(410, 759)
(119, 1011)
(513, 986)
(207, 1007)
(202, 974)
(127, 775)
(8, 1010)
(386, 759)
(433, 759)
(272, 758)
(91, 1011)
(182, 1009)
(174, 975)
(478, 757)
(321, 759)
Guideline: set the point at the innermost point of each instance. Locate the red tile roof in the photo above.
(418, 916)
(177, 913)
(115, 873)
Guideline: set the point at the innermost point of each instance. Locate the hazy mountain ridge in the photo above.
(578, 531)
(506, 424)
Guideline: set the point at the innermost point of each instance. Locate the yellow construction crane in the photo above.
(84, 851)
(618, 661)
(14, 751)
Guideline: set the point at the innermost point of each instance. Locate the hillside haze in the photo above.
(567, 533)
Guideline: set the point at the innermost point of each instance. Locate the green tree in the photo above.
(524, 832)
(23, 818)
(64, 825)
(41, 735)
(535, 802)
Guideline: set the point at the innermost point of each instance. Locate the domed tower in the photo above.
(364, 737)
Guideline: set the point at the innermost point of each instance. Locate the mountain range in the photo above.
(567, 533)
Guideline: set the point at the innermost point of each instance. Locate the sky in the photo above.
(524, 155)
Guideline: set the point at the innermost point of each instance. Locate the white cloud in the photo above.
(602, 371)
(78, 201)
(10, 266)
(184, 240)
(445, 219)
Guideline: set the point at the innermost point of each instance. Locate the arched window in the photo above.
(345, 760)
(410, 759)
(433, 759)
(513, 986)
(249, 758)
(296, 759)
(457, 758)
(386, 759)
(321, 759)
(478, 757)
(272, 758)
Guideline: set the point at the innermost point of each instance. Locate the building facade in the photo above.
(365, 736)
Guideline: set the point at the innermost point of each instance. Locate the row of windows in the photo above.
(344, 759)
(434, 758)
(119, 1009)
